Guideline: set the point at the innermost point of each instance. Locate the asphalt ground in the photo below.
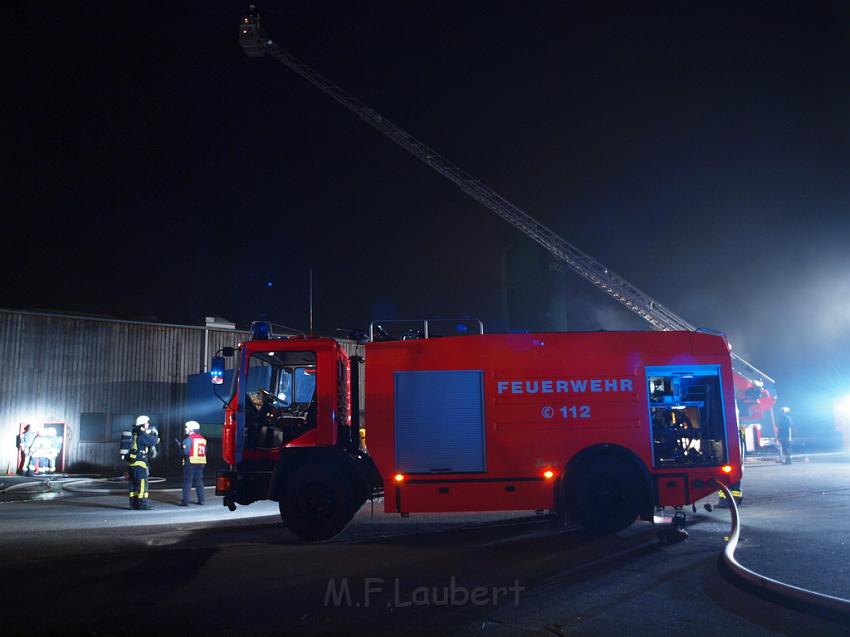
(90, 561)
(799, 533)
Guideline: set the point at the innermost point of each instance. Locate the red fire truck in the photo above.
(755, 413)
(599, 426)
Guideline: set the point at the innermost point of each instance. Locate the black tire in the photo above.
(605, 494)
(316, 502)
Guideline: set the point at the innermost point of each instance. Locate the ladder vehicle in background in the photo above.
(755, 413)
(601, 427)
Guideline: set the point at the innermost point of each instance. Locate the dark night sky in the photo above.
(700, 149)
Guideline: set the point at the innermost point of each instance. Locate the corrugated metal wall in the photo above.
(56, 367)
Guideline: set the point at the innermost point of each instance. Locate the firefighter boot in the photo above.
(134, 504)
(145, 506)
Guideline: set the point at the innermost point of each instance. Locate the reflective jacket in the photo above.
(140, 448)
(41, 447)
(27, 440)
(195, 448)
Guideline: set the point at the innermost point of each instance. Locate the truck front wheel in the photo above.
(316, 502)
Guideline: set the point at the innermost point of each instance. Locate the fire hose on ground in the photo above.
(84, 485)
(47, 483)
(23, 485)
(73, 484)
(833, 607)
(78, 486)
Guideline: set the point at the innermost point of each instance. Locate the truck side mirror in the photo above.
(217, 370)
(227, 351)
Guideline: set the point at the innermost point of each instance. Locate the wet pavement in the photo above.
(248, 574)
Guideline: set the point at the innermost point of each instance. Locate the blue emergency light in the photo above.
(261, 331)
(217, 370)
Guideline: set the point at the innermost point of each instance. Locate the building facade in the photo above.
(88, 378)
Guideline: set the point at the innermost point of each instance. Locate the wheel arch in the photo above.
(293, 458)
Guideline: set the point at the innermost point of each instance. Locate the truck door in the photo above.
(279, 398)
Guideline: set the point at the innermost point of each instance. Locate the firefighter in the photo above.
(40, 452)
(51, 447)
(25, 443)
(194, 453)
(142, 446)
(783, 435)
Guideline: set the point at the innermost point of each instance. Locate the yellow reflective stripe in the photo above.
(142, 490)
(139, 463)
(198, 452)
(722, 495)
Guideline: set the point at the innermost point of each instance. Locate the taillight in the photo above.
(223, 484)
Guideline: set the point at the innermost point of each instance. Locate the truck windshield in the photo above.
(305, 384)
(295, 384)
(284, 386)
(279, 389)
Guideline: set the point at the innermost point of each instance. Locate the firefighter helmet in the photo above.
(141, 421)
(192, 425)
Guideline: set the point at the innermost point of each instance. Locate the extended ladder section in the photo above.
(255, 44)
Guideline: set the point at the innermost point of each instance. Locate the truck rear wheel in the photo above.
(605, 494)
(317, 502)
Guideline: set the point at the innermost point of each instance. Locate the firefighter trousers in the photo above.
(137, 476)
(26, 468)
(784, 444)
(737, 493)
(193, 476)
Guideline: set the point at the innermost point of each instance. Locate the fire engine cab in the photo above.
(599, 426)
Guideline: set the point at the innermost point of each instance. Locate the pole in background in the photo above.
(311, 300)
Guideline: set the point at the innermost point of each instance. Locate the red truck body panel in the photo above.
(546, 397)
